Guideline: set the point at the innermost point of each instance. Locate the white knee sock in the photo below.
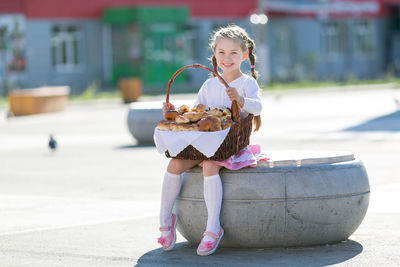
(170, 191)
(213, 199)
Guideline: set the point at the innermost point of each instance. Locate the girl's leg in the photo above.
(171, 187)
(212, 197)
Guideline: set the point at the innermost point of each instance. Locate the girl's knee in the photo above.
(210, 168)
(175, 166)
(178, 166)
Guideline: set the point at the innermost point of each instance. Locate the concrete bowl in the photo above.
(281, 206)
(142, 122)
(143, 117)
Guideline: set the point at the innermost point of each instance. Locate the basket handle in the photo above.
(235, 107)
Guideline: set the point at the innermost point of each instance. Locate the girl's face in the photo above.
(229, 55)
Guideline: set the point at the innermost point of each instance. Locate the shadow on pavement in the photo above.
(388, 123)
(134, 146)
(184, 255)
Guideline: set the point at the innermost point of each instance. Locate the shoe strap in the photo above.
(167, 228)
(211, 235)
(164, 228)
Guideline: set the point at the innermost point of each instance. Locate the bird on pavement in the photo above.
(397, 102)
(9, 114)
(52, 143)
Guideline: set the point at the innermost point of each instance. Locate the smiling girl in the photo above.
(230, 46)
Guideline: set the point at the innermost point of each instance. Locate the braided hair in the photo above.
(246, 43)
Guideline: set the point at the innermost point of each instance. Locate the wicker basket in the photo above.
(238, 136)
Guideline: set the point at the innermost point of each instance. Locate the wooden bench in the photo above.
(299, 198)
(38, 100)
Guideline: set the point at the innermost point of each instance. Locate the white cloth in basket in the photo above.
(205, 142)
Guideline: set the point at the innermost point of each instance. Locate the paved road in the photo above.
(95, 201)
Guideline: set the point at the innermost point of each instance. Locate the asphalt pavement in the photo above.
(95, 200)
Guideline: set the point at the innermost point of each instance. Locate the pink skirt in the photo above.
(247, 157)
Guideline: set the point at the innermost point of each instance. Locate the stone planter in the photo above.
(142, 121)
(143, 117)
(38, 100)
(312, 200)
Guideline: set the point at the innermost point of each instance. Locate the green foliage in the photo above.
(93, 91)
(3, 101)
(90, 91)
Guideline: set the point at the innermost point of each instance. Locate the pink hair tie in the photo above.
(250, 51)
(252, 67)
(216, 68)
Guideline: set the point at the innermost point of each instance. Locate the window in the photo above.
(284, 44)
(126, 44)
(283, 51)
(333, 40)
(65, 47)
(363, 38)
(190, 42)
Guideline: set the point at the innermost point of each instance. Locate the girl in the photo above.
(230, 46)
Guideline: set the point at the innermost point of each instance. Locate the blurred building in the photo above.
(76, 43)
(332, 39)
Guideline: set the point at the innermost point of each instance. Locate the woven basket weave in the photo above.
(238, 136)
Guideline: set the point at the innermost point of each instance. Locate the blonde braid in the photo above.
(252, 58)
(214, 63)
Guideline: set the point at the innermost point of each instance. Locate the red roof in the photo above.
(395, 2)
(11, 6)
(93, 8)
(329, 8)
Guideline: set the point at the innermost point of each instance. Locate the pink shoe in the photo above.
(207, 248)
(168, 242)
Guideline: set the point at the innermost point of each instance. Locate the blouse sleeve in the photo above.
(252, 99)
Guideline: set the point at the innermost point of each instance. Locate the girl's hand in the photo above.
(234, 95)
(167, 106)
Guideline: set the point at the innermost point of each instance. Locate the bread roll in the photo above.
(227, 117)
(210, 124)
(174, 127)
(164, 125)
(226, 112)
(215, 112)
(193, 116)
(194, 127)
(181, 119)
(170, 115)
(199, 108)
(180, 127)
(226, 123)
(183, 109)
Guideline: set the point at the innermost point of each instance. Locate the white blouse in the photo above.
(212, 94)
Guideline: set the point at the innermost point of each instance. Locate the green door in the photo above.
(147, 42)
(163, 52)
(126, 51)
